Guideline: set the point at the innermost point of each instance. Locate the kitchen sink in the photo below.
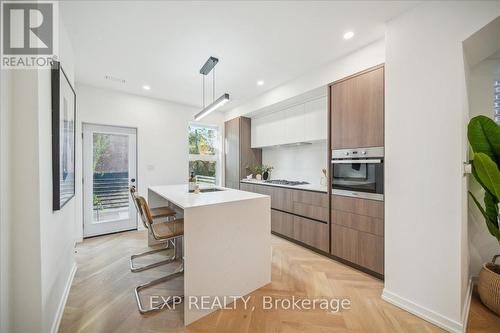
(213, 189)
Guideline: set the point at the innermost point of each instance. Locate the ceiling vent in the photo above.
(114, 79)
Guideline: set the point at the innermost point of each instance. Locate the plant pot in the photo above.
(258, 177)
(489, 285)
(265, 175)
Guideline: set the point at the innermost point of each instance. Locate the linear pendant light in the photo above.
(216, 103)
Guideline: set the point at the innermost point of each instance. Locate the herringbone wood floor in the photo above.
(101, 297)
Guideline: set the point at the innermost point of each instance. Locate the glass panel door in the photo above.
(109, 168)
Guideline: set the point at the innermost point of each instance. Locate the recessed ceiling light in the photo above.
(146, 87)
(348, 35)
(260, 83)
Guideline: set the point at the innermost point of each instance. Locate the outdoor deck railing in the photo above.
(205, 179)
(111, 190)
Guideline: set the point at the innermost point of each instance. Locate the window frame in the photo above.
(216, 157)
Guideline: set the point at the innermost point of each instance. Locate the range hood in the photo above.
(290, 145)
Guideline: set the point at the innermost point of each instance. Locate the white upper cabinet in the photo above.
(300, 123)
(316, 119)
(294, 124)
(268, 130)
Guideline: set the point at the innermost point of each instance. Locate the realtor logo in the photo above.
(27, 34)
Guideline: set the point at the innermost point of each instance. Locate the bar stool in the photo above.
(156, 213)
(161, 231)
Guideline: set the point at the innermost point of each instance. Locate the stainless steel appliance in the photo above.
(358, 172)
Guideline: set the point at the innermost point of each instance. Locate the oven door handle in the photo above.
(374, 161)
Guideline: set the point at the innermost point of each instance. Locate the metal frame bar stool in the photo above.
(161, 231)
(156, 213)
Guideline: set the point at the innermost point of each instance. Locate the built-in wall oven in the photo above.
(358, 172)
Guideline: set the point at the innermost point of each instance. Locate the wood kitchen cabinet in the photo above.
(310, 204)
(280, 197)
(311, 232)
(357, 110)
(357, 232)
(307, 231)
(354, 233)
(282, 223)
(238, 153)
(297, 214)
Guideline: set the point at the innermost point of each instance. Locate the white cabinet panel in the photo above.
(275, 129)
(301, 123)
(256, 133)
(294, 124)
(268, 130)
(316, 120)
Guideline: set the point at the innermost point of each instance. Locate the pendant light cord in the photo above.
(203, 80)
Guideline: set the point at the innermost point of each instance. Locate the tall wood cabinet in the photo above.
(357, 110)
(238, 153)
(357, 121)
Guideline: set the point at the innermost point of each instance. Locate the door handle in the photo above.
(377, 161)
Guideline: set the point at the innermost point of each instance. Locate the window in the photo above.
(497, 101)
(204, 153)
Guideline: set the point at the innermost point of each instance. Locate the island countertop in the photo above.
(179, 195)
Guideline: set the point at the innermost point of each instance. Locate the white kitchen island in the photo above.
(227, 249)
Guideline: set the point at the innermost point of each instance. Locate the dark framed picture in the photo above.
(63, 137)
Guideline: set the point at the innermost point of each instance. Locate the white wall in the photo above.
(40, 255)
(25, 260)
(302, 163)
(57, 228)
(426, 262)
(368, 56)
(482, 245)
(5, 104)
(162, 137)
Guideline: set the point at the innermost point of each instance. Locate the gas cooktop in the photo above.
(285, 182)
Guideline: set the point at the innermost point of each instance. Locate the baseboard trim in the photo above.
(425, 313)
(64, 298)
(466, 309)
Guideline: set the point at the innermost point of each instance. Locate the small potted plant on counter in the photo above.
(261, 171)
(258, 171)
(266, 171)
(484, 138)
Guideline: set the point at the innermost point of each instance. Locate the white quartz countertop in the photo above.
(306, 187)
(179, 195)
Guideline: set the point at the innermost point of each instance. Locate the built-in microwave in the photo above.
(358, 172)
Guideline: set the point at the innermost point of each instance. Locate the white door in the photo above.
(109, 168)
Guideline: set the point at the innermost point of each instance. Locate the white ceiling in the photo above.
(164, 43)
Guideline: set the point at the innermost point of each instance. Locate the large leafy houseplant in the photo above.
(484, 138)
